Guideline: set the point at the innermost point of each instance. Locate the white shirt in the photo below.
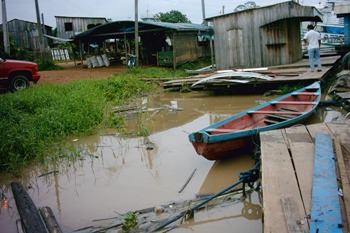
(312, 37)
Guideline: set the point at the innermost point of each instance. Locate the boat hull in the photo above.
(223, 150)
(222, 139)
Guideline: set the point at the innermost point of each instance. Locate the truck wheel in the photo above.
(19, 82)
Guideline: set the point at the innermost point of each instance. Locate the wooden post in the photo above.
(136, 33)
(81, 54)
(39, 28)
(212, 52)
(5, 29)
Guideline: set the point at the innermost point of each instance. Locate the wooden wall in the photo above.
(260, 37)
(187, 48)
(25, 34)
(79, 25)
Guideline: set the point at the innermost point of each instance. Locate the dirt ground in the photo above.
(76, 72)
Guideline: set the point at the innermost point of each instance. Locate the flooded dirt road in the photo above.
(116, 174)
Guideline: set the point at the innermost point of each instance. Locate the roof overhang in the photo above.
(288, 9)
(342, 9)
(119, 29)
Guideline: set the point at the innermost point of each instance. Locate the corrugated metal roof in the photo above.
(179, 26)
(79, 17)
(117, 28)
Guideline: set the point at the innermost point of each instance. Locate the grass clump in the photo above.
(34, 120)
(120, 88)
(48, 65)
(156, 72)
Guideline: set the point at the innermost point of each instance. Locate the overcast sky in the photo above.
(124, 9)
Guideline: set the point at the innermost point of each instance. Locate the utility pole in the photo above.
(203, 12)
(39, 28)
(5, 29)
(136, 33)
(44, 30)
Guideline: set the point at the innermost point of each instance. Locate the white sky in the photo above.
(124, 9)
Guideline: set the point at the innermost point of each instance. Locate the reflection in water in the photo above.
(221, 175)
(252, 211)
(110, 173)
(235, 209)
(226, 171)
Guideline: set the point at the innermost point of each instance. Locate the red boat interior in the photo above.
(274, 113)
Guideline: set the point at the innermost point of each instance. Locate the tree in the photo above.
(246, 6)
(172, 16)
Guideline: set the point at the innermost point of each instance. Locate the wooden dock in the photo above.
(287, 170)
(284, 74)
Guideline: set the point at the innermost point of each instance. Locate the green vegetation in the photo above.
(172, 16)
(36, 120)
(48, 65)
(289, 88)
(130, 221)
(246, 6)
(154, 72)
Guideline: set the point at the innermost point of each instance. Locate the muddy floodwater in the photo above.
(120, 173)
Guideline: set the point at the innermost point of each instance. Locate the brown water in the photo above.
(117, 174)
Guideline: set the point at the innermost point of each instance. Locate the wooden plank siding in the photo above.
(274, 39)
(25, 33)
(79, 24)
(268, 36)
(186, 47)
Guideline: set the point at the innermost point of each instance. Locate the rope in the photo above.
(247, 177)
(250, 176)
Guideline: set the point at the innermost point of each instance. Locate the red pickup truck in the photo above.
(16, 75)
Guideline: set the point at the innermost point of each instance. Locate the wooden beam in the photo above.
(344, 183)
(302, 152)
(289, 208)
(325, 209)
(278, 182)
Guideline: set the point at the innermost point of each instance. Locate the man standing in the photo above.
(313, 39)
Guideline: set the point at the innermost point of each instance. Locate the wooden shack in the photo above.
(24, 34)
(68, 26)
(163, 44)
(259, 37)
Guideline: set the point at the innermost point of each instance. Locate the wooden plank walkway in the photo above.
(295, 72)
(325, 209)
(287, 160)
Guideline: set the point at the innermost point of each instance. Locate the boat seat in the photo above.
(289, 109)
(295, 102)
(221, 130)
(269, 121)
(280, 117)
(291, 112)
(306, 93)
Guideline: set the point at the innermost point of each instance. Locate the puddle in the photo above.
(118, 174)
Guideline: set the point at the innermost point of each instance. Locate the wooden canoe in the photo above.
(220, 140)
